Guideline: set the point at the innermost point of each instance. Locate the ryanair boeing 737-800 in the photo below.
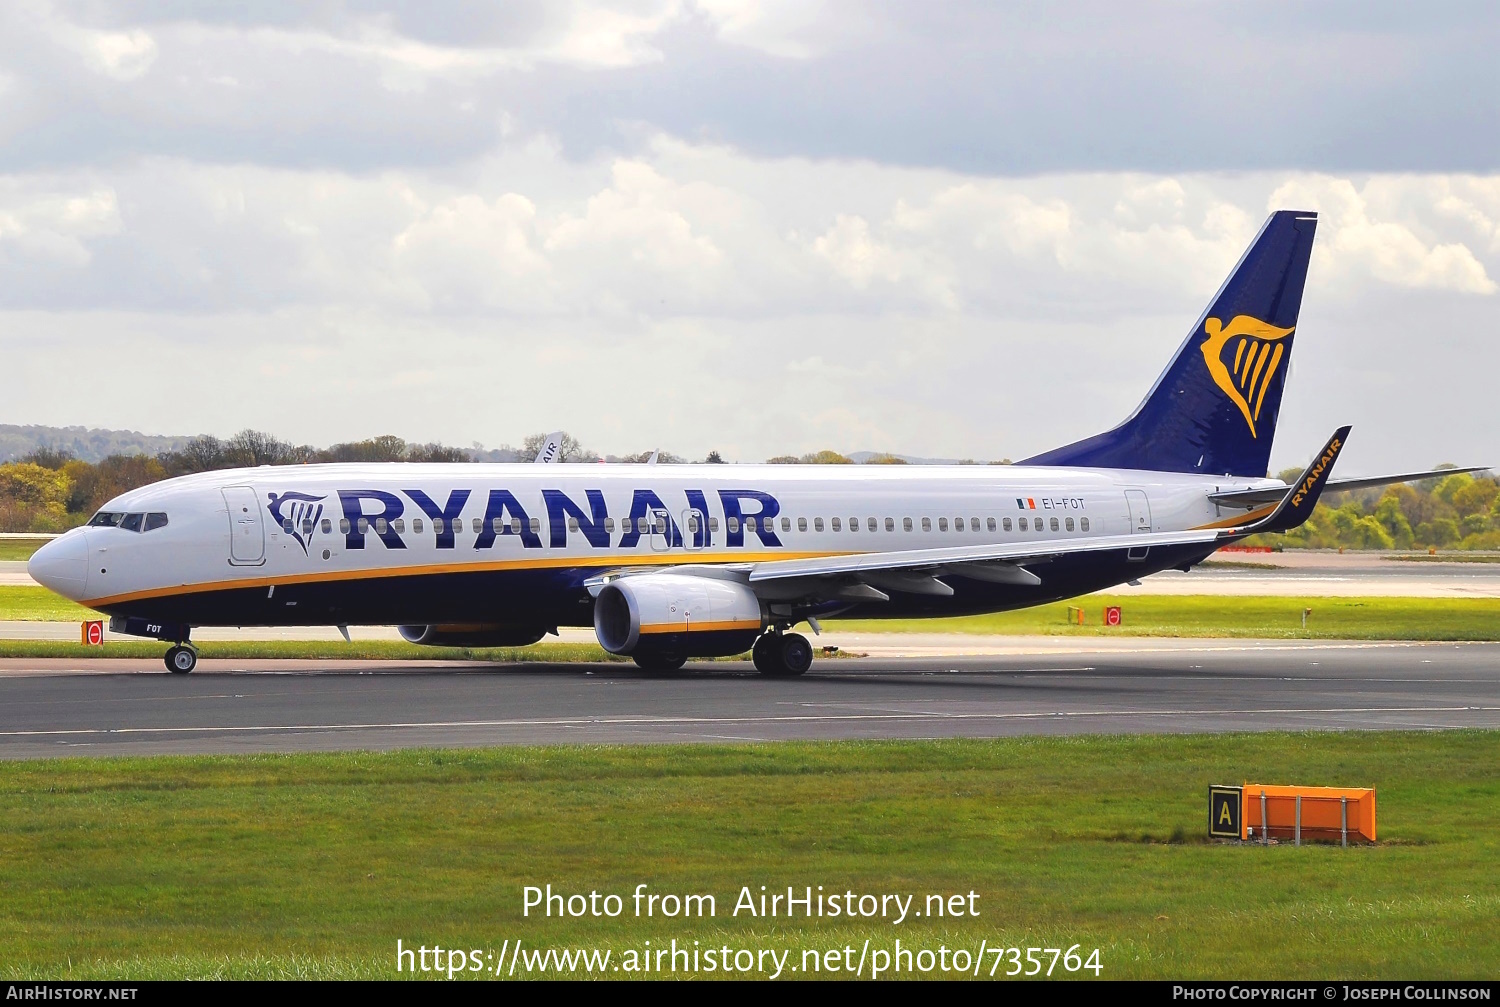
(670, 562)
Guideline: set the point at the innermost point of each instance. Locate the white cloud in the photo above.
(1353, 239)
(855, 305)
(56, 227)
(794, 29)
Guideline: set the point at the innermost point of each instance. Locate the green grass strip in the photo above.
(1228, 616)
(13, 549)
(1144, 615)
(314, 865)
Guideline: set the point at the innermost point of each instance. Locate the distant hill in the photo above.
(87, 443)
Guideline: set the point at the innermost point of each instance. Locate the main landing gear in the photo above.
(782, 655)
(181, 659)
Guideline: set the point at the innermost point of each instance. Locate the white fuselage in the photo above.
(410, 543)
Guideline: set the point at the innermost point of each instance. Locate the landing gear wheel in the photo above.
(766, 654)
(796, 654)
(180, 660)
(656, 662)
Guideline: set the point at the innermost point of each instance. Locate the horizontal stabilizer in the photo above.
(1271, 494)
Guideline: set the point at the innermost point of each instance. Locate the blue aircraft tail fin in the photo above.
(1214, 408)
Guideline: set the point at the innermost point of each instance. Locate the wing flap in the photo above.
(953, 558)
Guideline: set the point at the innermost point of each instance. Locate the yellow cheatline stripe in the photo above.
(687, 626)
(1230, 522)
(599, 562)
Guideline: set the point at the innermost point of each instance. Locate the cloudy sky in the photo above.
(952, 229)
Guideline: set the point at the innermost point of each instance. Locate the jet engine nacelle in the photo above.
(470, 635)
(676, 615)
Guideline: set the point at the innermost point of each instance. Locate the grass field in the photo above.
(19, 548)
(315, 865)
(1144, 615)
(1227, 616)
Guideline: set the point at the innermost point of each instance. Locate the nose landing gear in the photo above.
(181, 659)
(782, 655)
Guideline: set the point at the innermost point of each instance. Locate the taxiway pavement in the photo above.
(114, 707)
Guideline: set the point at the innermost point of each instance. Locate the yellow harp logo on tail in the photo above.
(1253, 349)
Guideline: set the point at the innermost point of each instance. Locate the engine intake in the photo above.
(676, 615)
(471, 635)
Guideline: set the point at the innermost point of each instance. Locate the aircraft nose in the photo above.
(62, 565)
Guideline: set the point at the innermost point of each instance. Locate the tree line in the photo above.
(49, 490)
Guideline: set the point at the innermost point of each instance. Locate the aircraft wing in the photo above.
(1271, 494)
(959, 559)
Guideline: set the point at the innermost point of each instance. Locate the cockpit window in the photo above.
(129, 522)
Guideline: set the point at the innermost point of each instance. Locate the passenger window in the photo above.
(572, 524)
(155, 520)
(872, 524)
(343, 526)
(437, 525)
(536, 525)
(802, 524)
(307, 525)
(1005, 524)
(416, 526)
(890, 524)
(942, 524)
(692, 523)
(380, 526)
(1068, 524)
(1083, 523)
(286, 525)
(734, 525)
(1054, 524)
(713, 524)
(515, 526)
(478, 525)
(328, 526)
(399, 524)
(817, 524)
(927, 524)
(836, 525)
(609, 524)
(750, 524)
(854, 524)
(974, 524)
(497, 526)
(906, 523)
(958, 524)
(786, 524)
(1023, 523)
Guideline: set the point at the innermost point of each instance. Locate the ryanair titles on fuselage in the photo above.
(376, 512)
(383, 514)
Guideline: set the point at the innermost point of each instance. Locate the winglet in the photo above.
(1297, 506)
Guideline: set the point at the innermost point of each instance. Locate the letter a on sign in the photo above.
(1224, 804)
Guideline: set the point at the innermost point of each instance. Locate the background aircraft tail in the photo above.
(1214, 408)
